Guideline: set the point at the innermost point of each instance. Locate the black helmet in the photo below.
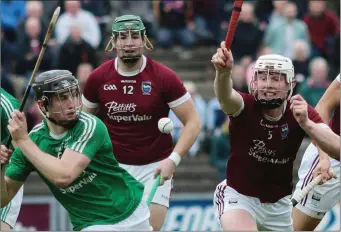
(54, 82)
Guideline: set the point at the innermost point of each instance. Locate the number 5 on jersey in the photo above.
(128, 89)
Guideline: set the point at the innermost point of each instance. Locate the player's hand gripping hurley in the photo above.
(300, 194)
(36, 67)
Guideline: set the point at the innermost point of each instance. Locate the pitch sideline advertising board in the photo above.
(195, 212)
(38, 213)
(187, 212)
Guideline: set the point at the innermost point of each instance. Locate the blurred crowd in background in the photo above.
(305, 31)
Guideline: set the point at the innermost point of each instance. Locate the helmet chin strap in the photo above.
(67, 124)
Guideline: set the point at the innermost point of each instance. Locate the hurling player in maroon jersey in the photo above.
(310, 211)
(132, 92)
(266, 131)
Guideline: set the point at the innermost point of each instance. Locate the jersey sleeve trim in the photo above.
(7, 106)
(88, 103)
(338, 78)
(239, 111)
(89, 129)
(179, 101)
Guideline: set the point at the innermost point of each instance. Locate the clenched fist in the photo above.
(299, 108)
(5, 154)
(223, 59)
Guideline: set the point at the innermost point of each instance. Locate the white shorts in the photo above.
(145, 175)
(10, 213)
(268, 216)
(138, 221)
(323, 197)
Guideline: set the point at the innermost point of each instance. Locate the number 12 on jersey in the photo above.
(128, 89)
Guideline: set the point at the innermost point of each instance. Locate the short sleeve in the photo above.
(174, 91)
(88, 136)
(313, 115)
(90, 94)
(18, 168)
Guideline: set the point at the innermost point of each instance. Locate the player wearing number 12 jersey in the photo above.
(132, 92)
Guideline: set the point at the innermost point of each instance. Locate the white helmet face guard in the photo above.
(267, 85)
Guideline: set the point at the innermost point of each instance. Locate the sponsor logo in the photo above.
(264, 154)
(80, 184)
(128, 81)
(114, 109)
(109, 87)
(233, 201)
(284, 131)
(146, 87)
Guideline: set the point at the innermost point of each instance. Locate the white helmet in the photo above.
(269, 64)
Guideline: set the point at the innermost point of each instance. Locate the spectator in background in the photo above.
(175, 19)
(82, 74)
(277, 14)
(200, 106)
(323, 26)
(215, 116)
(301, 62)
(7, 53)
(33, 9)
(245, 47)
(76, 15)
(76, 50)
(314, 87)
(29, 48)
(281, 36)
(220, 148)
(11, 14)
(239, 78)
(205, 19)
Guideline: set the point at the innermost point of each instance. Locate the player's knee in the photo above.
(303, 222)
(238, 220)
(5, 226)
(157, 216)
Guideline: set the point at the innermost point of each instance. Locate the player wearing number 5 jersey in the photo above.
(132, 92)
(9, 214)
(267, 127)
(310, 211)
(72, 152)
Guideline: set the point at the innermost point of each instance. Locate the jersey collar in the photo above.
(134, 73)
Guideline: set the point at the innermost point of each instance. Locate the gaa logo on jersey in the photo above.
(284, 131)
(146, 87)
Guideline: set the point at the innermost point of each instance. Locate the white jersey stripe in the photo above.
(88, 103)
(7, 106)
(89, 127)
(179, 101)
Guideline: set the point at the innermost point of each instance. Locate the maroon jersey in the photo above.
(263, 152)
(334, 122)
(131, 106)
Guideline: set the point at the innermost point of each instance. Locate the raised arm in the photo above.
(230, 100)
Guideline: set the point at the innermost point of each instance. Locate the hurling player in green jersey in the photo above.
(8, 214)
(72, 152)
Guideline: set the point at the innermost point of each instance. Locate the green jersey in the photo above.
(8, 105)
(104, 193)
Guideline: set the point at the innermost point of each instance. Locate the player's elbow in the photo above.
(63, 181)
(4, 203)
